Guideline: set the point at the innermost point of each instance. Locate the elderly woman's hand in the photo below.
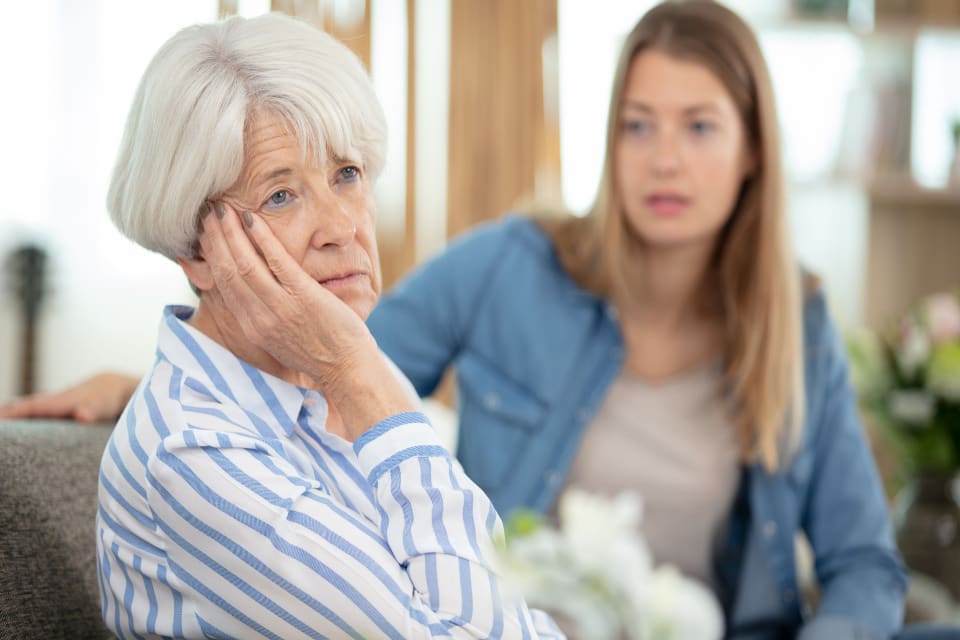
(282, 310)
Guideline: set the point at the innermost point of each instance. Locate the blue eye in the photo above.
(701, 127)
(280, 199)
(636, 127)
(350, 173)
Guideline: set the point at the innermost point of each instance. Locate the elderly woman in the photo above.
(291, 492)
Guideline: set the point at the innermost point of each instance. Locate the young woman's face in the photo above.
(324, 215)
(681, 152)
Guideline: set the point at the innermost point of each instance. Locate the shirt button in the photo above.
(553, 479)
(769, 529)
(491, 401)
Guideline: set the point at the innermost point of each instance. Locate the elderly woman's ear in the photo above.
(196, 267)
(198, 271)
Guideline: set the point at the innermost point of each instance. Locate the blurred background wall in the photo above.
(491, 104)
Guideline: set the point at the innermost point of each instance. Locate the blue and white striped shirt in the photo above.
(227, 510)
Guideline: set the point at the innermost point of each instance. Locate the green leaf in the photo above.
(522, 522)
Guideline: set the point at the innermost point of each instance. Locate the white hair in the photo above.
(183, 142)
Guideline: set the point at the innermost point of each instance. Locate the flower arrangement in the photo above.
(596, 576)
(909, 381)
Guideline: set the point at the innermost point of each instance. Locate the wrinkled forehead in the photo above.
(318, 138)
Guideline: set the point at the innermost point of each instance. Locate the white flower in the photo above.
(602, 535)
(596, 576)
(599, 518)
(678, 609)
(543, 568)
(914, 407)
(914, 348)
(943, 317)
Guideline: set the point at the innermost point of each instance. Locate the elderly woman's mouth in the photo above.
(343, 279)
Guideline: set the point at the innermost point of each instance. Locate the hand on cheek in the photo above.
(282, 310)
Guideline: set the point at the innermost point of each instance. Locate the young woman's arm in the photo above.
(100, 398)
(861, 576)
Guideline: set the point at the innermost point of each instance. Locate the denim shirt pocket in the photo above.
(499, 419)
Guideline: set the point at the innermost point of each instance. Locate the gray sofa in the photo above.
(48, 502)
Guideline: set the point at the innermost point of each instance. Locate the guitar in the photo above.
(26, 273)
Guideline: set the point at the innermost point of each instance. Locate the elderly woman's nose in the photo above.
(336, 224)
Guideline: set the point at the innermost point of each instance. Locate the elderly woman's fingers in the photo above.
(257, 269)
(234, 267)
(233, 261)
(281, 264)
(231, 253)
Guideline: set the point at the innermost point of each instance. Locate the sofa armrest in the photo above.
(48, 503)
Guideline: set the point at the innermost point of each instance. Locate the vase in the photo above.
(928, 527)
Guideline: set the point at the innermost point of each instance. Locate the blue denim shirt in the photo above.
(535, 355)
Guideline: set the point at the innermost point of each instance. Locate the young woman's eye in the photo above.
(701, 127)
(636, 127)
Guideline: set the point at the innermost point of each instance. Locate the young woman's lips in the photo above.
(667, 204)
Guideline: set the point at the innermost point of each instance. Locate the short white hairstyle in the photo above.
(183, 141)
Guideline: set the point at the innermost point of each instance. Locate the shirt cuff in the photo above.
(391, 441)
(829, 628)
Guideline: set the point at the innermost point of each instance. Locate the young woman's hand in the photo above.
(97, 399)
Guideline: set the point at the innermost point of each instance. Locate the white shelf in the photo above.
(903, 189)
(892, 28)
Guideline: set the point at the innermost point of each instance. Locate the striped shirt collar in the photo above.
(228, 378)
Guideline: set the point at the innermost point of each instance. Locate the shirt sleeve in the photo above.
(827, 628)
(260, 550)
(861, 576)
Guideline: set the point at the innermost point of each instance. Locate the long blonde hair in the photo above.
(753, 281)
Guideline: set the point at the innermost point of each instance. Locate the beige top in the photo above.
(673, 443)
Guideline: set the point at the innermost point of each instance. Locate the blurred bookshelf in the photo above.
(875, 15)
(895, 111)
(902, 189)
